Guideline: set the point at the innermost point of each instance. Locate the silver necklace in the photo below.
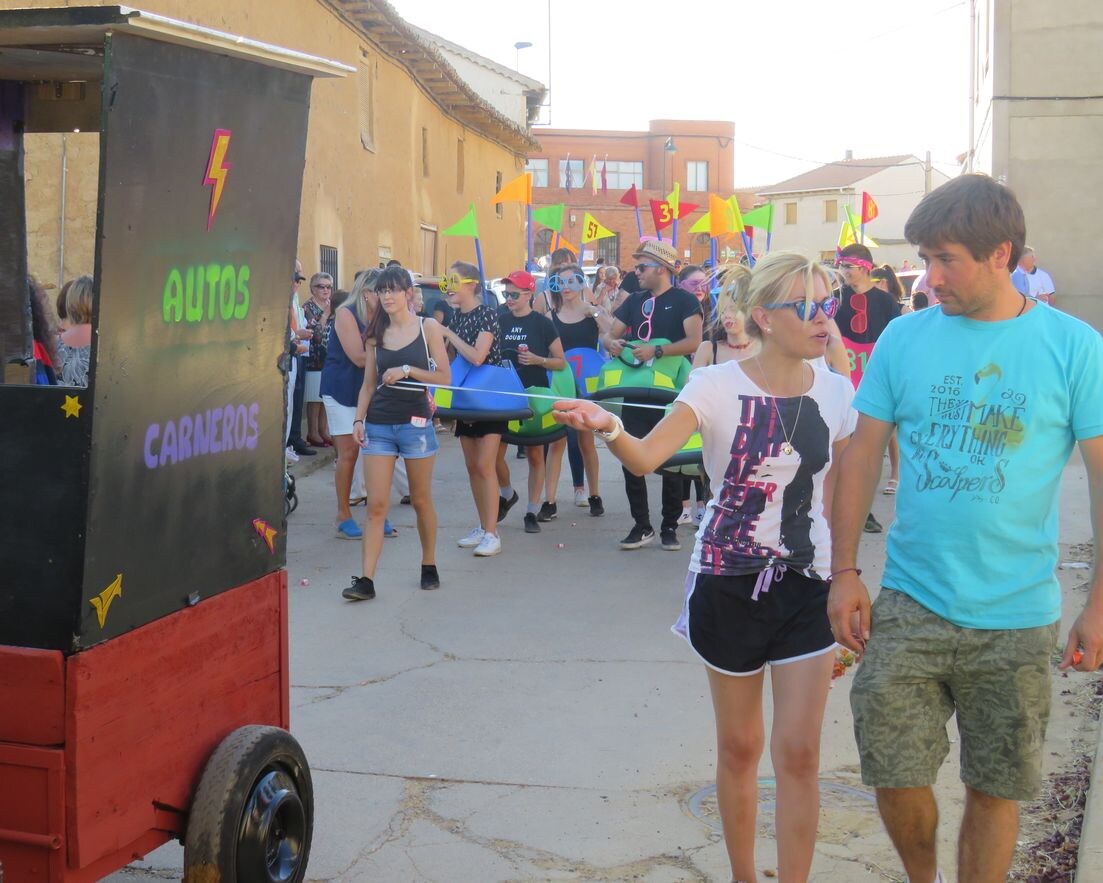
(786, 448)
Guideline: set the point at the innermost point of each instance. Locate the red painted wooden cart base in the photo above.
(101, 751)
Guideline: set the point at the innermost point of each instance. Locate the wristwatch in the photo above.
(658, 352)
(405, 370)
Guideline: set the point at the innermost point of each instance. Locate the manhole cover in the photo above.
(843, 807)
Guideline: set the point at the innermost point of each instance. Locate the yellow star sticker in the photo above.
(71, 407)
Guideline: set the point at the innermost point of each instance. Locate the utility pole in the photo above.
(927, 174)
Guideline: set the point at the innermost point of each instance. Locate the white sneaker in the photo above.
(699, 515)
(490, 545)
(685, 517)
(580, 498)
(292, 457)
(472, 539)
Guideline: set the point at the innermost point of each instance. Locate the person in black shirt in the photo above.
(657, 310)
(531, 342)
(865, 312)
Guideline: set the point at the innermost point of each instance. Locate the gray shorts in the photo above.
(919, 670)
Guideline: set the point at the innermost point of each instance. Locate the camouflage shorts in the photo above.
(919, 670)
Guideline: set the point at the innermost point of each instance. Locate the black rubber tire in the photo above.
(252, 816)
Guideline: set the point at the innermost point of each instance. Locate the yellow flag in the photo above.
(702, 224)
(673, 198)
(517, 190)
(592, 230)
(847, 237)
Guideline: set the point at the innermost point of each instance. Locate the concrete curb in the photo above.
(1089, 857)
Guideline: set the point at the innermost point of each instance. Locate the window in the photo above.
(424, 152)
(697, 176)
(497, 187)
(576, 172)
(790, 213)
(459, 165)
(608, 250)
(830, 211)
(428, 250)
(366, 88)
(539, 169)
(327, 262)
(622, 175)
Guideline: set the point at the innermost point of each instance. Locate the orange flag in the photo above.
(517, 190)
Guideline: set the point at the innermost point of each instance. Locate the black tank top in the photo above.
(576, 335)
(396, 404)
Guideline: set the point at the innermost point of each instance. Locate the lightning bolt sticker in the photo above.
(217, 171)
(102, 602)
(266, 533)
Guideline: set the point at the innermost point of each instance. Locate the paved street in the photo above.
(535, 719)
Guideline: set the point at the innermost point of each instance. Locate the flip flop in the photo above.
(890, 487)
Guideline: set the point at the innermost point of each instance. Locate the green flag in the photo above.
(465, 226)
(761, 217)
(550, 216)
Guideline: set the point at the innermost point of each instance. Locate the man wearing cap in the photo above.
(658, 311)
(531, 343)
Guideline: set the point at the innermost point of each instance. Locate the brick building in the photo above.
(698, 154)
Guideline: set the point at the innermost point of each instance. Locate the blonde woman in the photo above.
(342, 377)
(772, 426)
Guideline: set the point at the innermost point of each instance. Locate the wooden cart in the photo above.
(143, 601)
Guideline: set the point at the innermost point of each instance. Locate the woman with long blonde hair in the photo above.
(771, 426)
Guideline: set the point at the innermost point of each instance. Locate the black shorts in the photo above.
(737, 634)
(481, 428)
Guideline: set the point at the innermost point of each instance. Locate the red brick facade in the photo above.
(703, 154)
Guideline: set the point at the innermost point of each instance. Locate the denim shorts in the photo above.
(400, 440)
(920, 670)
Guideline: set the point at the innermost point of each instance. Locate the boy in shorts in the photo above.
(987, 393)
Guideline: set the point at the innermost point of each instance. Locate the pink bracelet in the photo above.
(857, 570)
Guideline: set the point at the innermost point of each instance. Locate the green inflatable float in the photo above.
(541, 428)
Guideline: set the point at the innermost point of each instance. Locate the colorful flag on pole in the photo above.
(869, 208)
(660, 211)
(517, 190)
(762, 217)
(563, 243)
(736, 214)
(592, 229)
(604, 175)
(631, 197)
(848, 236)
(594, 182)
(673, 198)
(465, 226)
(550, 215)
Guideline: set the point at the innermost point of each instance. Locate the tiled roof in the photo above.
(836, 175)
(399, 39)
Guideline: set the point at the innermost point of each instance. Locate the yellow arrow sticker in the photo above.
(102, 602)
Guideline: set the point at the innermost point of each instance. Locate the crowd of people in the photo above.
(803, 378)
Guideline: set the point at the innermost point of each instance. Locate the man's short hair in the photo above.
(857, 250)
(394, 262)
(974, 211)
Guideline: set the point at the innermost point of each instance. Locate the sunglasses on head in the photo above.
(829, 305)
(453, 281)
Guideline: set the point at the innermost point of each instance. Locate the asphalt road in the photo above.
(535, 719)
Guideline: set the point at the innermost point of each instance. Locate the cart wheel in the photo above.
(253, 812)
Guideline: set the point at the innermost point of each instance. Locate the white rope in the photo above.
(418, 385)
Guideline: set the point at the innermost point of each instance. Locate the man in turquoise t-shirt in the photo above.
(988, 393)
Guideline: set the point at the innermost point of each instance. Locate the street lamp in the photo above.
(671, 149)
(518, 46)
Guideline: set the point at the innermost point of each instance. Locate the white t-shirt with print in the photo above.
(767, 466)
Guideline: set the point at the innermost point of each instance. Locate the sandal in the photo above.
(890, 487)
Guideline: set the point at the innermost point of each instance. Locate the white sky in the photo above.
(803, 80)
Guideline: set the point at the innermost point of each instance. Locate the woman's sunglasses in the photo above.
(453, 281)
(558, 283)
(829, 305)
